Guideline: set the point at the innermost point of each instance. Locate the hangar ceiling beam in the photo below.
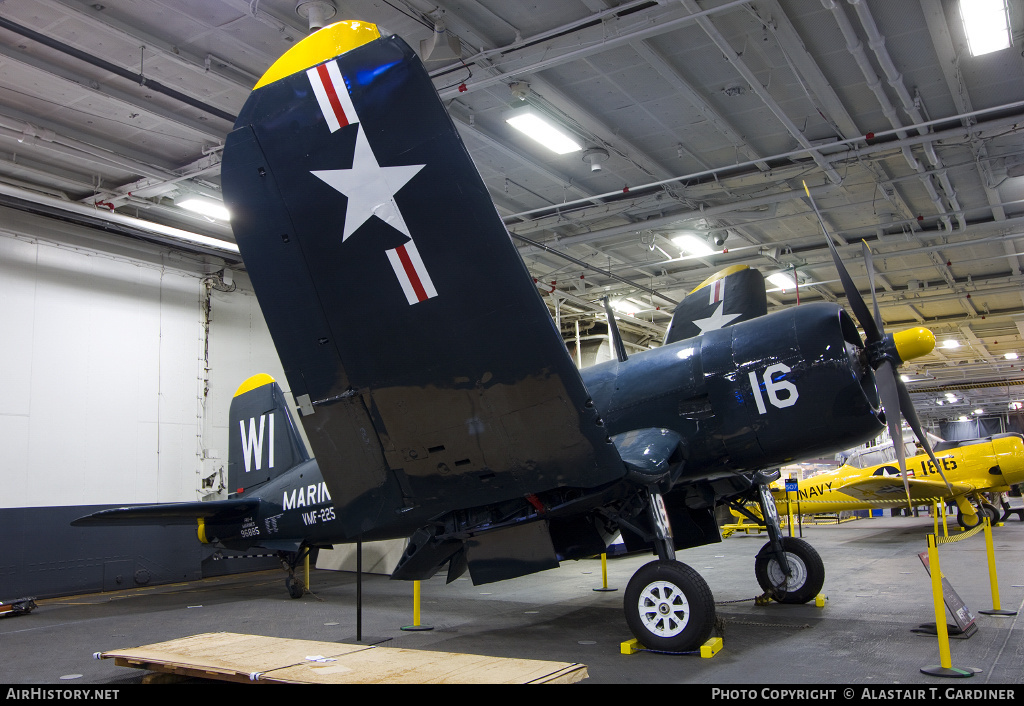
(604, 134)
(234, 78)
(755, 85)
(949, 60)
(665, 69)
(638, 25)
(85, 84)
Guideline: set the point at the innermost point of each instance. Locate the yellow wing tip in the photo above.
(258, 380)
(326, 43)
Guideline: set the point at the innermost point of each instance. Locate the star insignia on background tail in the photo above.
(716, 320)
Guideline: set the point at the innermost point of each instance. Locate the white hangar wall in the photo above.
(102, 364)
(105, 353)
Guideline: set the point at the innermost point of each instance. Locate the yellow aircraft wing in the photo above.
(874, 488)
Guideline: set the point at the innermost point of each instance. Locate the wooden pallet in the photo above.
(254, 658)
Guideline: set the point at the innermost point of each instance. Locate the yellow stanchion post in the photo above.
(307, 572)
(945, 527)
(993, 579)
(416, 599)
(604, 575)
(945, 667)
(935, 517)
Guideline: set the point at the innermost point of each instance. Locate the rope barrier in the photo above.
(964, 535)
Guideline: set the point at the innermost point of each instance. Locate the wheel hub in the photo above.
(788, 583)
(663, 609)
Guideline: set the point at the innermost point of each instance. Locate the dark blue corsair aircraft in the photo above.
(438, 396)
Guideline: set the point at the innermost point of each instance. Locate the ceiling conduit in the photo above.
(755, 85)
(877, 43)
(856, 48)
(115, 69)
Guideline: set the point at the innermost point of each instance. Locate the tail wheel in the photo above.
(808, 572)
(294, 586)
(669, 607)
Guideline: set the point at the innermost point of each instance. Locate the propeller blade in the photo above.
(871, 280)
(888, 391)
(860, 308)
(910, 414)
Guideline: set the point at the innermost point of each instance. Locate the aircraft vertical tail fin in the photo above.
(729, 296)
(264, 442)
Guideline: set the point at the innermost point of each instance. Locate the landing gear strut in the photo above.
(668, 605)
(787, 568)
(289, 560)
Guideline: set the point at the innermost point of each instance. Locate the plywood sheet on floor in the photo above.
(240, 657)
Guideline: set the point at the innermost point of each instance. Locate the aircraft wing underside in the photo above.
(427, 368)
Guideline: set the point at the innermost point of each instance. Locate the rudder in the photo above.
(264, 442)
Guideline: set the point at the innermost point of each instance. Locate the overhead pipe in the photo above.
(31, 136)
(520, 43)
(23, 199)
(686, 215)
(657, 29)
(115, 69)
(755, 85)
(856, 49)
(877, 43)
(879, 145)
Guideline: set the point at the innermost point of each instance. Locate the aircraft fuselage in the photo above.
(753, 395)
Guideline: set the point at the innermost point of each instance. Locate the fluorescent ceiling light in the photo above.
(1016, 405)
(1010, 356)
(962, 418)
(782, 280)
(905, 378)
(979, 411)
(536, 127)
(693, 244)
(206, 207)
(951, 343)
(986, 24)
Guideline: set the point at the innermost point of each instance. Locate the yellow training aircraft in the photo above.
(973, 466)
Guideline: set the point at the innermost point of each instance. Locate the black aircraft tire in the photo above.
(294, 586)
(807, 566)
(669, 607)
(986, 508)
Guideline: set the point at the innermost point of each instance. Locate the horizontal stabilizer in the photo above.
(169, 513)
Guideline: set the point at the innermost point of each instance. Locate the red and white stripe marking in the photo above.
(717, 292)
(412, 274)
(332, 95)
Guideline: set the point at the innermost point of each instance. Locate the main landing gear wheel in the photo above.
(808, 572)
(669, 607)
(986, 508)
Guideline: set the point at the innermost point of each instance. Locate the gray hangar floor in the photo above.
(877, 588)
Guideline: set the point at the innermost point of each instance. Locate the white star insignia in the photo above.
(370, 188)
(716, 320)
